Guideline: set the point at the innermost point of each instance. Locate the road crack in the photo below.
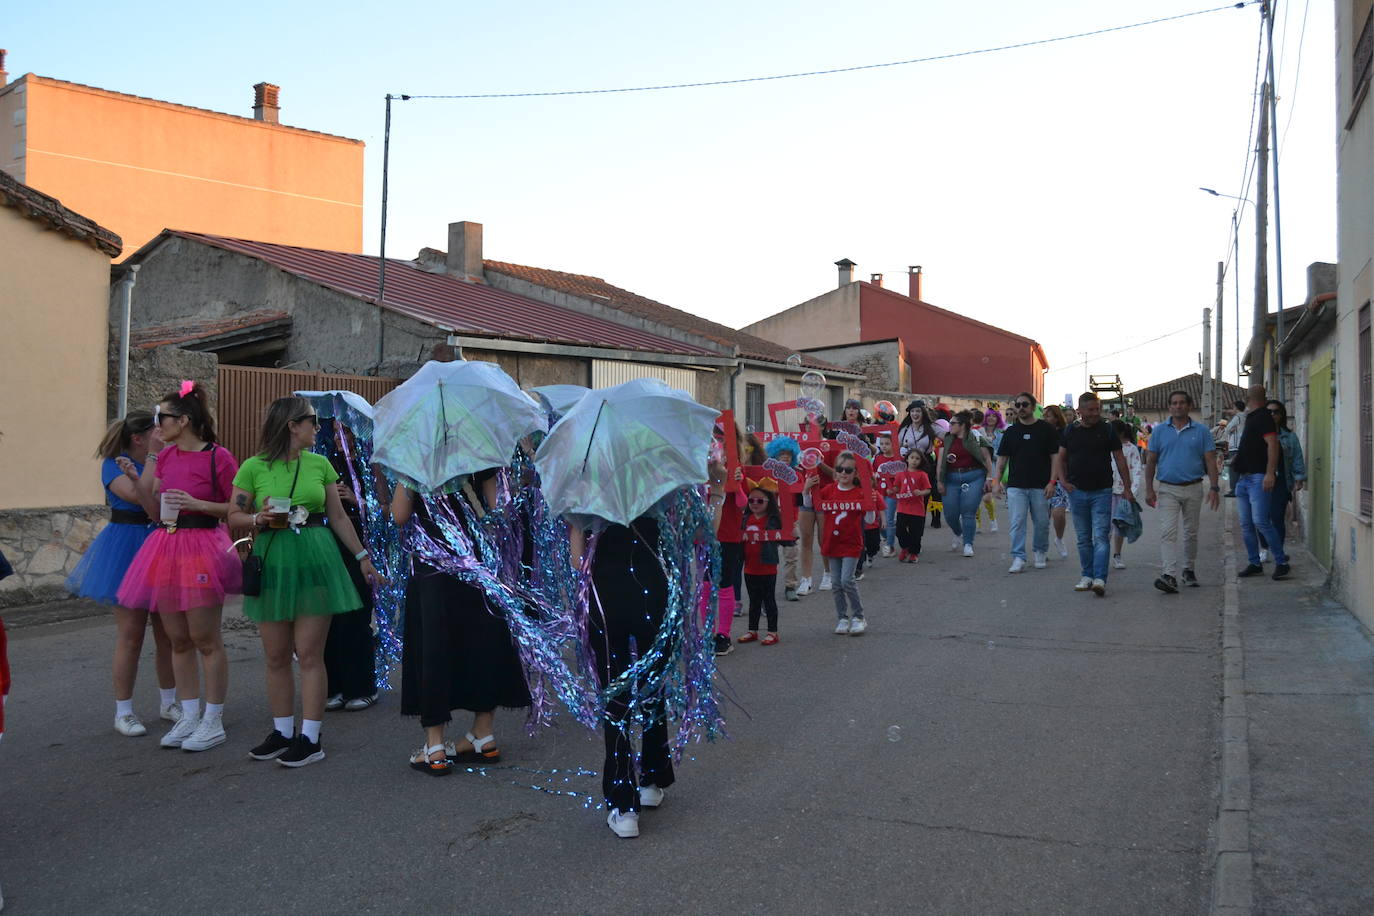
(1031, 838)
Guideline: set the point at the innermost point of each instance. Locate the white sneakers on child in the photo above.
(1017, 564)
(803, 588)
(825, 582)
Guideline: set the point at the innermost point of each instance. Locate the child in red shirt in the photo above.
(842, 513)
(911, 487)
(761, 560)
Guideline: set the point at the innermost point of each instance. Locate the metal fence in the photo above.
(245, 392)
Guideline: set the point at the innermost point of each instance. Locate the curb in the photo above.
(1233, 864)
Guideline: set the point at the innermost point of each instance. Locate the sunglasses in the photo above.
(756, 501)
(844, 470)
(1022, 405)
(160, 415)
(313, 418)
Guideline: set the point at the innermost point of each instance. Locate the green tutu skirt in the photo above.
(302, 576)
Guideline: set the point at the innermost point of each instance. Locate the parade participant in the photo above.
(184, 569)
(786, 450)
(842, 539)
(873, 535)
(988, 425)
(102, 568)
(853, 412)
(1083, 464)
(287, 492)
(457, 651)
(731, 557)
(1235, 426)
(963, 478)
(917, 430)
(1181, 453)
(1291, 478)
(887, 451)
(761, 561)
(810, 534)
(1136, 493)
(1053, 414)
(350, 662)
(1256, 467)
(911, 488)
(1026, 455)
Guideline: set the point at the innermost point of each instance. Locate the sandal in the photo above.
(420, 760)
(480, 752)
(751, 636)
(770, 640)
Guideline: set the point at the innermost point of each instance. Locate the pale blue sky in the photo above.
(1049, 190)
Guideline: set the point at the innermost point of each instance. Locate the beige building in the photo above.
(54, 302)
(1353, 483)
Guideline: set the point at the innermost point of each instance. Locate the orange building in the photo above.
(139, 165)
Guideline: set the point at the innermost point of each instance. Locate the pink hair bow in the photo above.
(187, 386)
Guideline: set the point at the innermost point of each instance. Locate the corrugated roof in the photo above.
(588, 287)
(446, 302)
(207, 329)
(1156, 397)
(44, 208)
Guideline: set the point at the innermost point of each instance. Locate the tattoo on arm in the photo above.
(241, 501)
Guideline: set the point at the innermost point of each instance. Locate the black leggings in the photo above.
(762, 597)
(349, 651)
(731, 566)
(910, 529)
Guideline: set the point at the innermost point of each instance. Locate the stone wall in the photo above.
(158, 372)
(44, 546)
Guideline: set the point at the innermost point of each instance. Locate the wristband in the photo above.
(360, 556)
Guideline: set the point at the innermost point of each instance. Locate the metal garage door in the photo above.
(607, 372)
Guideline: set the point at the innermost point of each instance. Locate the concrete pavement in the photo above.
(994, 744)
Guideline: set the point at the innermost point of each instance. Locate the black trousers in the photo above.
(350, 660)
(632, 601)
(873, 540)
(910, 529)
(731, 566)
(762, 598)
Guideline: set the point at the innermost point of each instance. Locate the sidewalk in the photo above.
(1309, 702)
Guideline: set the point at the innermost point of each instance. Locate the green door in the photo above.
(1318, 445)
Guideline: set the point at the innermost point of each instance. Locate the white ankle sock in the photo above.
(213, 711)
(286, 725)
(124, 707)
(167, 695)
(190, 708)
(311, 729)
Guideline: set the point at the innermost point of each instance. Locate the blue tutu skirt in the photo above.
(102, 569)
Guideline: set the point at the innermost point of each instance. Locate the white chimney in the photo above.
(465, 251)
(846, 267)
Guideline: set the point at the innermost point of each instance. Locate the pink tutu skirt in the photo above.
(182, 570)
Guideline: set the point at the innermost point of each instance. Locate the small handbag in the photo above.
(252, 566)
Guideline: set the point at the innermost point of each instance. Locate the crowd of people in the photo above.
(673, 578)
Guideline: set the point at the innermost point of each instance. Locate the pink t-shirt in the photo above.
(190, 471)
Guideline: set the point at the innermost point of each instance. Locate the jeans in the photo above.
(1178, 503)
(1092, 523)
(1023, 501)
(890, 523)
(1256, 506)
(963, 492)
(844, 587)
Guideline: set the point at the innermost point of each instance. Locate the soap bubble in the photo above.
(812, 383)
(991, 644)
(894, 733)
(810, 458)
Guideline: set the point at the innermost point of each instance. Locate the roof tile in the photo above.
(44, 208)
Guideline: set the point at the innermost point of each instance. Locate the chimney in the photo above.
(846, 267)
(876, 280)
(465, 251)
(913, 279)
(265, 107)
(4, 77)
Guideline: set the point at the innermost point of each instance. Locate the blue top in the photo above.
(109, 473)
(1179, 452)
(1294, 468)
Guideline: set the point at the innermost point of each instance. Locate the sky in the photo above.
(1050, 190)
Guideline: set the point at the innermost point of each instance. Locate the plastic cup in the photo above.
(278, 508)
(170, 508)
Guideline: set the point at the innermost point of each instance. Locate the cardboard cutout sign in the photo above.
(787, 505)
(731, 445)
(860, 501)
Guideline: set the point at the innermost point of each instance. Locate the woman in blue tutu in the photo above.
(123, 452)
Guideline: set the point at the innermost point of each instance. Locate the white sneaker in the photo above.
(334, 702)
(130, 726)
(1264, 556)
(209, 733)
(1017, 564)
(888, 551)
(623, 825)
(1039, 560)
(825, 582)
(1084, 584)
(1063, 551)
(842, 627)
(650, 796)
(1118, 563)
(1099, 587)
(956, 543)
(993, 526)
(803, 588)
(968, 550)
(858, 627)
(181, 731)
(171, 712)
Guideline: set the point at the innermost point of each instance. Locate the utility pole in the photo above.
(1276, 389)
(1208, 402)
(1217, 373)
(1261, 313)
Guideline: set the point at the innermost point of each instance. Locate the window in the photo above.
(753, 407)
(1361, 54)
(1366, 425)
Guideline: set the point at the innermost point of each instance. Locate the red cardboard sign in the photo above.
(727, 423)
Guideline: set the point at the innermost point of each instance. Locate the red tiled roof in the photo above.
(35, 205)
(446, 302)
(1156, 397)
(205, 329)
(587, 287)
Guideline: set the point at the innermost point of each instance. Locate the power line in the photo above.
(1297, 71)
(830, 72)
(1245, 174)
(1093, 359)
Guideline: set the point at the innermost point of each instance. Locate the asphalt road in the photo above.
(994, 744)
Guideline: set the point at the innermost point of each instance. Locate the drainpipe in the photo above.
(126, 297)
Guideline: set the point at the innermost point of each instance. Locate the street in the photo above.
(994, 744)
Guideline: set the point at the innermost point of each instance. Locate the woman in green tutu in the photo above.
(286, 492)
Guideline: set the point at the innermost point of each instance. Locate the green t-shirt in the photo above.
(263, 480)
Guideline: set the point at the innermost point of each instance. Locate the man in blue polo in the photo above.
(1180, 454)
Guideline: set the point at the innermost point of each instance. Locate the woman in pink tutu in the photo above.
(186, 567)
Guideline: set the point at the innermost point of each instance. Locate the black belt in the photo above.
(1186, 483)
(313, 520)
(128, 517)
(193, 521)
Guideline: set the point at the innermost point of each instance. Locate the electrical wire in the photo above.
(830, 72)
(1246, 176)
(1297, 71)
(1083, 363)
